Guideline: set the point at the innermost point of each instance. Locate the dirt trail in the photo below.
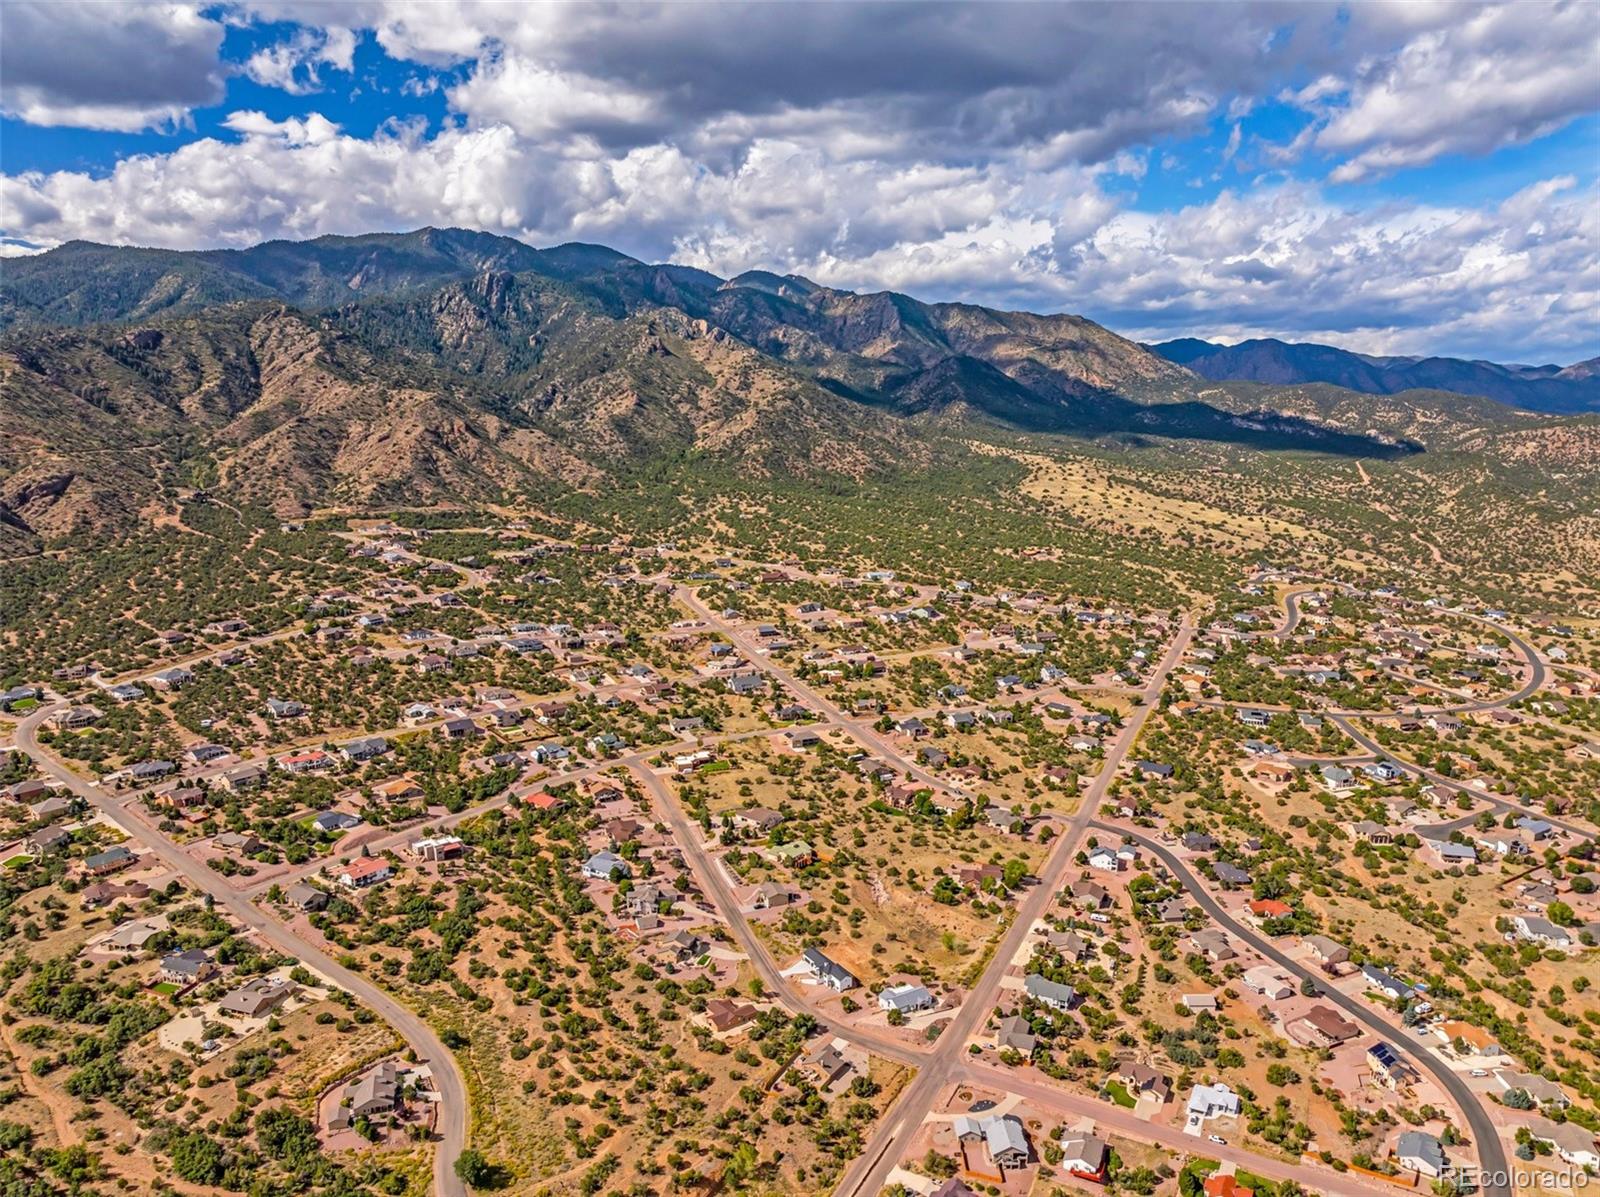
(59, 1106)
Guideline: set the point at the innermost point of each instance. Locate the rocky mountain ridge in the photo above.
(445, 365)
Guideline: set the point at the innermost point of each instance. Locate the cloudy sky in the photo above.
(1419, 177)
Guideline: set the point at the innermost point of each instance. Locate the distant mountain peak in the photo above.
(1282, 363)
(785, 286)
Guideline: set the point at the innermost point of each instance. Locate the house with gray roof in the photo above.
(1421, 1152)
(172, 679)
(746, 683)
(1015, 1033)
(1212, 1101)
(1230, 874)
(334, 820)
(1337, 777)
(1545, 1092)
(1084, 1156)
(132, 937)
(1003, 1138)
(1573, 1143)
(306, 897)
(603, 866)
(375, 1092)
(108, 861)
(905, 998)
(1174, 910)
(257, 998)
(365, 749)
(834, 976)
(1390, 986)
(47, 840)
(1541, 930)
(1049, 993)
(1449, 852)
(187, 967)
(1213, 944)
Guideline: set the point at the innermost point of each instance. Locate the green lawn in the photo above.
(20, 861)
(165, 988)
(1118, 1093)
(1262, 1186)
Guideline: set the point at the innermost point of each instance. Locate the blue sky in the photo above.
(1388, 177)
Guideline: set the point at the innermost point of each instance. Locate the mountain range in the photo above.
(1557, 389)
(446, 364)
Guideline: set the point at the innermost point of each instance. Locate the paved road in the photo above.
(452, 1123)
(1491, 1152)
(1499, 802)
(1117, 1120)
(947, 1063)
(1537, 674)
(753, 652)
(1291, 617)
(687, 835)
(937, 1068)
(867, 1175)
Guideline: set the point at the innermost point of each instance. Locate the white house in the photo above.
(1049, 993)
(603, 865)
(834, 976)
(1421, 1152)
(905, 998)
(1212, 1101)
(1266, 981)
(1105, 859)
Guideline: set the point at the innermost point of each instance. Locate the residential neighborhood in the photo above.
(1090, 911)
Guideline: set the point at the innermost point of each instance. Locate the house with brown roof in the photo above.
(363, 871)
(1475, 1040)
(724, 1015)
(1328, 1027)
(757, 819)
(1088, 895)
(1213, 945)
(258, 998)
(397, 789)
(1142, 1080)
(770, 894)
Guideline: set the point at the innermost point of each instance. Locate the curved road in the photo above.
(867, 1175)
(1538, 672)
(1491, 1152)
(452, 1106)
(1498, 802)
(944, 1064)
(1109, 1116)
(722, 897)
